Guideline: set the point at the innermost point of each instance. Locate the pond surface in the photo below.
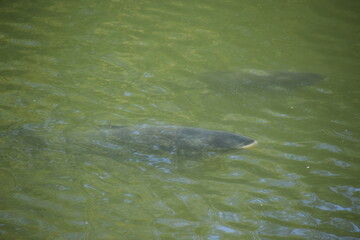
(67, 67)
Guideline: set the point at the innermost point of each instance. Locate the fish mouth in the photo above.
(249, 145)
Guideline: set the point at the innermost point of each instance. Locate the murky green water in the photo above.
(67, 67)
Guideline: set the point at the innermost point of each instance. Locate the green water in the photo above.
(69, 66)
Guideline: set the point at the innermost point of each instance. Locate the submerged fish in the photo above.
(233, 82)
(167, 139)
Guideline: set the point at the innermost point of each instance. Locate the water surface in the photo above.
(68, 67)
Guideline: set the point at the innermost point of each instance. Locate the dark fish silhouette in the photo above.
(233, 82)
(163, 139)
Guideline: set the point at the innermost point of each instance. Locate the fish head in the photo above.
(202, 140)
(224, 141)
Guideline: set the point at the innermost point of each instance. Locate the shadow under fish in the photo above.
(159, 140)
(235, 82)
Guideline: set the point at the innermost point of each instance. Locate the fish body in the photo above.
(255, 79)
(166, 139)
